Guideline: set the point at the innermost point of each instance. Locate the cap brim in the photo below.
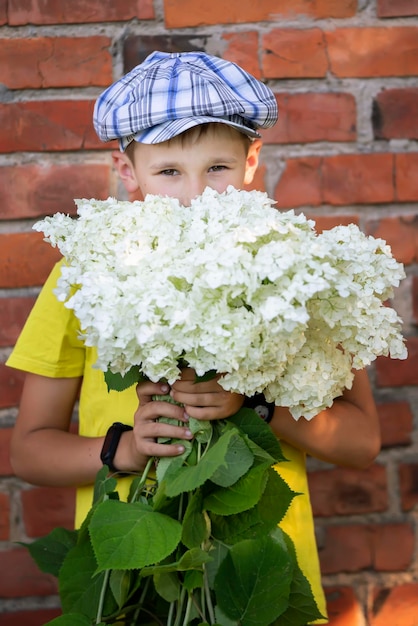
(172, 128)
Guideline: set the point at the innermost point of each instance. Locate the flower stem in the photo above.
(180, 607)
(208, 596)
(188, 610)
(102, 596)
(144, 477)
(171, 613)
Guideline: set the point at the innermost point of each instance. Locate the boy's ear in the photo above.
(252, 160)
(125, 170)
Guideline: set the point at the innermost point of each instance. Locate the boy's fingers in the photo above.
(147, 389)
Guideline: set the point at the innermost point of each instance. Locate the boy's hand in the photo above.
(137, 446)
(205, 400)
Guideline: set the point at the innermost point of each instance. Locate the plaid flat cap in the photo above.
(170, 93)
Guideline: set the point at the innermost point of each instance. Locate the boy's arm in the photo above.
(348, 433)
(44, 452)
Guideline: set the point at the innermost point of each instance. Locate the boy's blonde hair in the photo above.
(193, 135)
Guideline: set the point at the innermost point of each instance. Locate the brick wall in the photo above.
(345, 150)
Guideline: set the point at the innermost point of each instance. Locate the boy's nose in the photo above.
(194, 188)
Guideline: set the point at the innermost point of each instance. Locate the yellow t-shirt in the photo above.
(49, 345)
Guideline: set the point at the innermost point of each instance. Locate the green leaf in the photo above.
(131, 535)
(253, 582)
(223, 619)
(260, 455)
(167, 585)
(173, 463)
(117, 382)
(188, 478)
(193, 580)
(79, 588)
(136, 486)
(120, 584)
(259, 432)
(277, 498)
(302, 607)
(196, 526)
(103, 485)
(192, 559)
(202, 429)
(233, 528)
(49, 552)
(241, 496)
(261, 518)
(217, 552)
(71, 619)
(238, 459)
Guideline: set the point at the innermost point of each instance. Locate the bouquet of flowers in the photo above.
(230, 286)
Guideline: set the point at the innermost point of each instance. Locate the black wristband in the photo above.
(260, 405)
(111, 443)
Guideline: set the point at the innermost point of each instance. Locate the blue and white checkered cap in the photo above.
(170, 93)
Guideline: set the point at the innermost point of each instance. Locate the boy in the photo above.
(184, 122)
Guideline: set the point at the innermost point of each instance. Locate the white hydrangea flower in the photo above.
(228, 284)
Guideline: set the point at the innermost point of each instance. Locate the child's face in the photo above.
(183, 167)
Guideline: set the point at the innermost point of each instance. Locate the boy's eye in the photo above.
(169, 172)
(217, 168)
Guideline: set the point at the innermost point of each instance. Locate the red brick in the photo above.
(76, 12)
(396, 423)
(34, 617)
(242, 48)
(310, 117)
(346, 549)
(394, 114)
(373, 52)
(415, 298)
(5, 438)
(408, 481)
(137, 47)
(3, 12)
(45, 62)
(358, 179)
(343, 491)
(25, 259)
(44, 508)
(294, 53)
(343, 607)
(11, 382)
(326, 222)
(401, 233)
(13, 314)
(187, 13)
(406, 166)
(48, 125)
(20, 576)
(396, 607)
(300, 183)
(352, 548)
(397, 8)
(35, 190)
(396, 373)
(393, 547)
(4, 516)
(337, 180)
